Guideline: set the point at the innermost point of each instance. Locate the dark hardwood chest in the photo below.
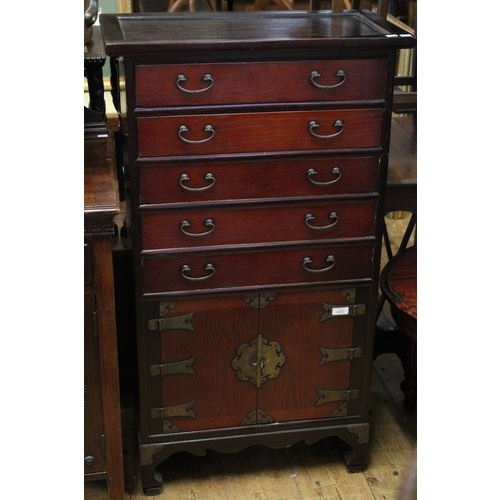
(258, 150)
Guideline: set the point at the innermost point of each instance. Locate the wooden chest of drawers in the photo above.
(258, 152)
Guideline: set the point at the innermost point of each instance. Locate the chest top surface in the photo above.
(148, 34)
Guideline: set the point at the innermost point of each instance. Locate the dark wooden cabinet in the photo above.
(102, 433)
(258, 148)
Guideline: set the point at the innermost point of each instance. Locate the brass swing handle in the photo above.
(184, 130)
(185, 224)
(206, 78)
(314, 125)
(329, 260)
(335, 172)
(184, 178)
(185, 269)
(316, 74)
(310, 218)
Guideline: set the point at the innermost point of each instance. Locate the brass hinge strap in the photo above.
(172, 323)
(334, 311)
(181, 410)
(330, 355)
(184, 367)
(326, 396)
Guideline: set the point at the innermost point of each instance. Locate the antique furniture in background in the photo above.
(102, 434)
(398, 283)
(258, 147)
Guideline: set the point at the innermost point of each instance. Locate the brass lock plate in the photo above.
(258, 361)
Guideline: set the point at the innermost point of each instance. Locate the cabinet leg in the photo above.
(354, 457)
(152, 480)
(354, 447)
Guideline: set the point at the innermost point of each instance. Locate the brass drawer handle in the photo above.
(206, 78)
(184, 130)
(186, 269)
(313, 124)
(185, 178)
(335, 172)
(185, 224)
(316, 74)
(310, 218)
(329, 260)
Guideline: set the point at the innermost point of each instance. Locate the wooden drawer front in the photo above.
(262, 223)
(264, 82)
(235, 269)
(259, 132)
(199, 182)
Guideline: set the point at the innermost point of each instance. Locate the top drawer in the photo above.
(263, 82)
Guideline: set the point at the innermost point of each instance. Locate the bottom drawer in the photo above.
(239, 269)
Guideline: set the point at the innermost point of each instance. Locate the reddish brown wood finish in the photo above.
(289, 177)
(259, 132)
(237, 84)
(237, 269)
(237, 225)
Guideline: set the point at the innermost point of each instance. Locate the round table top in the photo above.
(398, 282)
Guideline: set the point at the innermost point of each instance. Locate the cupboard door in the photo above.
(93, 418)
(314, 330)
(198, 339)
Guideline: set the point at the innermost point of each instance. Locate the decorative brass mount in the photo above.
(257, 417)
(258, 361)
(326, 396)
(184, 367)
(349, 353)
(172, 323)
(333, 311)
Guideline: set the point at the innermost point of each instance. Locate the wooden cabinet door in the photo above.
(197, 343)
(263, 358)
(93, 420)
(314, 330)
